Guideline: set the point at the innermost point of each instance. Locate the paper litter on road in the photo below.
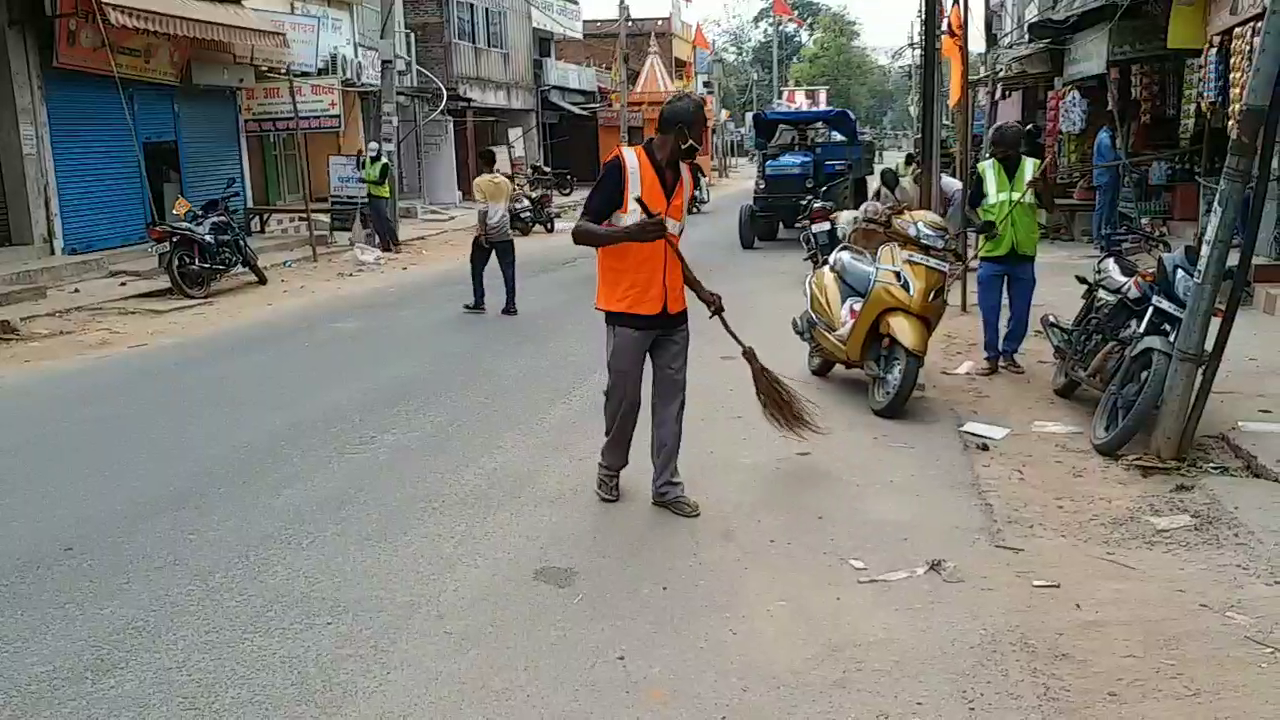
(1255, 426)
(856, 564)
(1045, 584)
(965, 368)
(983, 430)
(1055, 428)
(946, 569)
(1171, 522)
(1237, 617)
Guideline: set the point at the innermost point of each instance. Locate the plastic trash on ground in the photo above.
(366, 255)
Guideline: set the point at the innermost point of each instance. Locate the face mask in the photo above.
(689, 149)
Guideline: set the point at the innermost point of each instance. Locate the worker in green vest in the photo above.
(1007, 192)
(375, 170)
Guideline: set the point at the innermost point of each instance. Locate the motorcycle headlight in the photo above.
(1183, 284)
(760, 183)
(808, 182)
(929, 236)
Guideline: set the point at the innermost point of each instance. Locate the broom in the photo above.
(785, 408)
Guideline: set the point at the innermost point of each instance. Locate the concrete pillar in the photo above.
(24, 138)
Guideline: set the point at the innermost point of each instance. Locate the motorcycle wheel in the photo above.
(251, 262)
(564, 186)
(818, 365)
(1128, 402)
(1062, 384)
(888, 393)
(190, 282)
(549, 225)
(521, 227)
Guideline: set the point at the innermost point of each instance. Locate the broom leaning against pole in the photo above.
(786, 409)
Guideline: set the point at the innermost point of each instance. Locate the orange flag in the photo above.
(700, 39)
(955, 50)
(783, 10)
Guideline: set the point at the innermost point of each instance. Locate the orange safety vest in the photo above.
(643, 278)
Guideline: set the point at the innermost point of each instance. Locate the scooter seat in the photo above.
(857, 272)
(1114, 272)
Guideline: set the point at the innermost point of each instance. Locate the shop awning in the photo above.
(569, 107)
(218, 21)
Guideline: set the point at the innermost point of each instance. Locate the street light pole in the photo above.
(1243, 149)
(389, 118)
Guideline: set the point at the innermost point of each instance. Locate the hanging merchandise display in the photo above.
(1244, 41)
(1052, 130)
(1214, 73)
(1073, 113)
(1191, 79)
(1144, 87)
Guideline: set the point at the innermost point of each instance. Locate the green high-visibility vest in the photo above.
(1004, 203)
(372, 171)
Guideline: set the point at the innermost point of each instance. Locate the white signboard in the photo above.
(336, 31)
(369, 68)
(1087, 54)
(562, 17)
(304, 42)
(345, 181)
(267, 107)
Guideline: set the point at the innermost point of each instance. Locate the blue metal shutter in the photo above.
(209, 143)
(153, 113)
(100, 190)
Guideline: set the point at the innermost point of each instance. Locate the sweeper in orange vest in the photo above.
(640, 289)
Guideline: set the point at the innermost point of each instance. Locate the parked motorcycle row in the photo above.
(873, 304)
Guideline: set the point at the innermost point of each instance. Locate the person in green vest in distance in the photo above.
(375, 170)
(1007, 192)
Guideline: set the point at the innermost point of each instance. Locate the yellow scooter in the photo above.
(877, 311)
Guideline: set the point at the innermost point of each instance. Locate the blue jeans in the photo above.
(993, 278)
(1106, 212)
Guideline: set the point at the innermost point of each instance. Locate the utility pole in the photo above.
(989, 70)
(1243, 149)
(390, 115)
(777, 89)
(929, 105)
(306, 167)
(624, 82)
(964, 142)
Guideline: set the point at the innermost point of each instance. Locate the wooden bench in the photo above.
(263, 213)
(1070, 210)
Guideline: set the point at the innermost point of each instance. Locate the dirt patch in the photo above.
(1137, 626)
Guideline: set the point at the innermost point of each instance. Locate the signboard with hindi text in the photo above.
(303, 33)
(267, 107)
(82, 46)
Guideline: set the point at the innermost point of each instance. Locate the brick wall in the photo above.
(429, 23)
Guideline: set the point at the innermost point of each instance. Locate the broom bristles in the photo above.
(784, 407)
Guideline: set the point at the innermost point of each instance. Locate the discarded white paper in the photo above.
(965, 368)
(1055, 428)
(1258, 426)
(1171, 522)
(366, 255)
(983, 430)
(856, 564)
(1045, 584)
(896, 575)
(1237, 617)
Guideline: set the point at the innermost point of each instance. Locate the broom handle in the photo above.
(1007, 213)
(697, 286)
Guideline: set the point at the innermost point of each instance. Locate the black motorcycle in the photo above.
(528, 212)
(819, 235)
(205, 245)
(1120, 342)
(542, 178)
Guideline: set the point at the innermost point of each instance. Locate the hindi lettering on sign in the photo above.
(268, 108)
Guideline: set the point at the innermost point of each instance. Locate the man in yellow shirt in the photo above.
(493, 234)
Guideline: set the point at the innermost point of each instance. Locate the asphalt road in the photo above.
(385, 509)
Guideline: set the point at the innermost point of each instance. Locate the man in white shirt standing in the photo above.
(493, 234)
(952, 202)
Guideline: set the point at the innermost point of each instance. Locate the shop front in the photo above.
(127, 140)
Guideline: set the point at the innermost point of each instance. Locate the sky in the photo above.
(884, 24)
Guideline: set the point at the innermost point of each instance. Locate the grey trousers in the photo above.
(383, 227)
(668, 351)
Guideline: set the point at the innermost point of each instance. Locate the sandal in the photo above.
(681, 505)
(987, 369)
(608, 488)
(1009, 363)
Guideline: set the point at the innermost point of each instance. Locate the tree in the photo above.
(827, 51)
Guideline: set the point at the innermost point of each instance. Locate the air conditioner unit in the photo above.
(344, 67)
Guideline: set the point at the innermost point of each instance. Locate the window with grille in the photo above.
(464, 22)
(496, 21)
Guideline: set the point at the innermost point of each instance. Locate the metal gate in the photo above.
(209, 146)
(101, 194)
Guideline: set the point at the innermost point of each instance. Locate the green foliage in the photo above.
(827, 51)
